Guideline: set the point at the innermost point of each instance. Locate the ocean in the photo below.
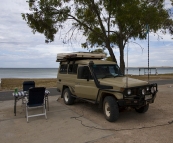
(28, 72)
(52, 72)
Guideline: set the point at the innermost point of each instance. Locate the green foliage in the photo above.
(109, 59)
(100, 20)
(99, 51)
(104, 23)
(102, 51)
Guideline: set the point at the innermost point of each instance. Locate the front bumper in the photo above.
(137, 99)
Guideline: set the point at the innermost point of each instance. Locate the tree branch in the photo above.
(99, 18)
(85, 25)
(109, 17)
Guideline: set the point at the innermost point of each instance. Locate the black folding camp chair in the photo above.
(36, 99)
(27, 85)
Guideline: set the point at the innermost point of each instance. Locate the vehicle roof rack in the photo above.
(78, 56)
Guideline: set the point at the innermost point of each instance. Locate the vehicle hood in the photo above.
(122, 82)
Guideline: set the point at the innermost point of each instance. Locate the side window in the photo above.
(63, 69)
(84, 73)
(72, 68)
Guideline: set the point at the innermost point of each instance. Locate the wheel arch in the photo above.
(64, 87)
(102, 97)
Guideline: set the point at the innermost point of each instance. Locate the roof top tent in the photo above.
(78, 56)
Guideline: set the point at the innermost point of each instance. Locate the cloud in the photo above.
(19, 47)
(160, 54)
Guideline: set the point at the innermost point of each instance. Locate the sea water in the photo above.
(28, 72)
(52, 72)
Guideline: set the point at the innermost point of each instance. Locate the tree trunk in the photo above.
(111, 52)
(121, 48)
(122, 63)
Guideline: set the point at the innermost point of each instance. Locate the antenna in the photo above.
(148, 50)
(127, 68)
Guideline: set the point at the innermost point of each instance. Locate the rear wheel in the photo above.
(143, 109)
(110, 108)
(68, 99)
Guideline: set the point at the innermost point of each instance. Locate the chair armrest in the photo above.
(47, 92)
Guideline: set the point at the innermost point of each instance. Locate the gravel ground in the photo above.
(154, 126)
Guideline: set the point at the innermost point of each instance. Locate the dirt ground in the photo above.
(12, 83)
(85, 123)
(154, 126)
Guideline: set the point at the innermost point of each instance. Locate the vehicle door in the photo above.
(85, 86)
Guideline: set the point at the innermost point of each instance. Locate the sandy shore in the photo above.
(12, 83)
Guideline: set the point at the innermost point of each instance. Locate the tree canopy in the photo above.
(104, 23)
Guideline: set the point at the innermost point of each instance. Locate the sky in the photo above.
(20, 48)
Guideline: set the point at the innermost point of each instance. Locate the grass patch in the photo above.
(12, 83)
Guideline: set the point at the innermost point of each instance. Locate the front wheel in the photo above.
(68, 99)
(110, 108)
(143, 109)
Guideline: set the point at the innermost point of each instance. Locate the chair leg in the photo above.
(48, 103)
(27, 113)
(45, 111)
(44, 106)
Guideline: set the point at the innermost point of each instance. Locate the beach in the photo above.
(12, 83)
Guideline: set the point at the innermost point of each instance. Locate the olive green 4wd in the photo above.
(87, 77)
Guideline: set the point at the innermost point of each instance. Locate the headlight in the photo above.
(143, 91)
(129, 91)
(152, 90)
(147, 88)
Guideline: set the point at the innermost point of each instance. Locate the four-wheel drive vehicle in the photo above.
(87, 77)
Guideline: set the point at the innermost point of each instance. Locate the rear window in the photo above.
(72, 68)
(63, 69)
(84, 73)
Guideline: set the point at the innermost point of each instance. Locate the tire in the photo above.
(68, 99)
(143, 109)
(110, 109)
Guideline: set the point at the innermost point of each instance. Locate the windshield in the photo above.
(107, 71)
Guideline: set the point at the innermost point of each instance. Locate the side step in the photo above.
(87, 100)
(83, 99)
